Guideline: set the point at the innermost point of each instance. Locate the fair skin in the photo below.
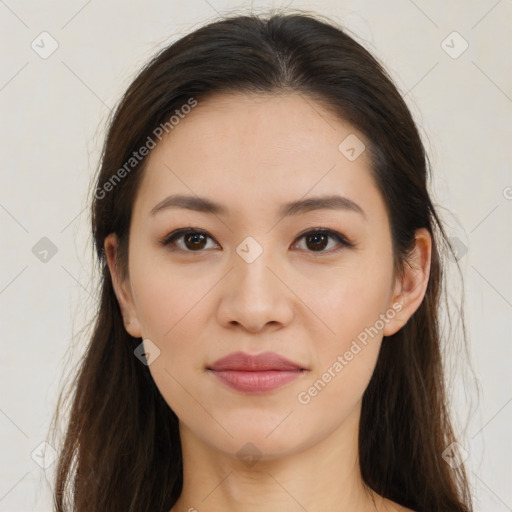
(251, 155)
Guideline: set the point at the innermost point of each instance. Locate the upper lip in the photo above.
(246, 362)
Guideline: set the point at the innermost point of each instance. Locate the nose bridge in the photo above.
(252, 260)
(254, 295)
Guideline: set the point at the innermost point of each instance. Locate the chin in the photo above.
(256, 440)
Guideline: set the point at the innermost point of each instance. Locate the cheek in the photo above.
(167, 297)
(345, 360)
(168, 309)
(333, 395)
(349, 299)
(352, 303)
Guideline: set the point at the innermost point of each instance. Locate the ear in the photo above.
(410, 288)
(122, 289)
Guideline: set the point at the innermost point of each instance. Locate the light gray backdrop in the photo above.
(64, 65)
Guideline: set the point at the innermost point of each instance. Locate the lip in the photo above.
(240, 361)
(255, 373)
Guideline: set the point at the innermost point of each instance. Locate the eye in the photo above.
(192, 240)
(318, 239)
(196, 240)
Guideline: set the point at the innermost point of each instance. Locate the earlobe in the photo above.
(122, 289)
(411, 286)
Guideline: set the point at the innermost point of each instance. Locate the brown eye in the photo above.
(317, 241)
(188, 240)
(194, 241)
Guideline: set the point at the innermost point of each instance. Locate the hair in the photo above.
(121, 449)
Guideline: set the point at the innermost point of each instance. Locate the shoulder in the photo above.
(387, 505)
(399, 508)
(391, 506)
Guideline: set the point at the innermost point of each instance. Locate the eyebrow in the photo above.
(204, 205)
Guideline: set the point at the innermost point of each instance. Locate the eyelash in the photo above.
(171, 238)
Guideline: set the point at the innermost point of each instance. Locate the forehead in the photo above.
(265, 125)
(274, 148)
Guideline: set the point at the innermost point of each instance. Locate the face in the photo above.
(313, 285)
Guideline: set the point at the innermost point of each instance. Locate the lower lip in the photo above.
(256, 382)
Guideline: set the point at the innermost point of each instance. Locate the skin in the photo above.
(251, 154)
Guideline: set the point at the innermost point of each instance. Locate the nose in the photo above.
(255, 296)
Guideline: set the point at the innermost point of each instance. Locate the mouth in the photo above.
(255, 374)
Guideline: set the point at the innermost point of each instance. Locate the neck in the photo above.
(325, 476)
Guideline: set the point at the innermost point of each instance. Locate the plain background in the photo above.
(53, 115)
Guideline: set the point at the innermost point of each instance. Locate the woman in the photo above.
(267, 336)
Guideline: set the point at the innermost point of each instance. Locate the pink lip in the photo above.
(255, 374)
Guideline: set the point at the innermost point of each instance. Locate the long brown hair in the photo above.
(121, 450)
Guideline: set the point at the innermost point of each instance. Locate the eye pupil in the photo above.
(317, 238)
(198, 240)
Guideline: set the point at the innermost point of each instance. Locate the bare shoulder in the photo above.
(391, 506)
